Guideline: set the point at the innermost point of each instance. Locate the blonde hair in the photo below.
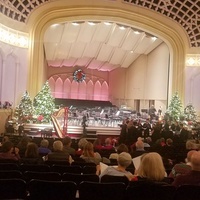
(151, 167)
(58, 145)
(88, 150)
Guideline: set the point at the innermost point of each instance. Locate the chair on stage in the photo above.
(13, 189)
(187, 192)
(52, 190)
(101, 191)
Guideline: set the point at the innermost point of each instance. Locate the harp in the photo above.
(61, 130)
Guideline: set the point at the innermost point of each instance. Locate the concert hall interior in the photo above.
(108, 60)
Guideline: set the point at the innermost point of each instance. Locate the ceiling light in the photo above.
(137, 32)
(107, 23)
(122, 28)
(75, 23)
(54, 25)
(154, 38)
(92, 23)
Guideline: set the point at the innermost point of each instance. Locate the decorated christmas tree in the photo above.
(190, 113)
(174, 110)
(44, 104)
(24, 110)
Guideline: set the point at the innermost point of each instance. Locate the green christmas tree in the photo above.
(190, 113)
(175, 108)
(44, 104)
(24, 110)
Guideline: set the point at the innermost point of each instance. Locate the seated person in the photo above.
(192, 177)
(58, 154)
(121, 148)
(151, 168)
(182, 168)
(43, 149)
(9, 152)
(89, 155)
(139, 145)
(81, 145)
(32, 155)
(67, 141)
(124, 160)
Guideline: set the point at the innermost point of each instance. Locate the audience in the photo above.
(9, 152)
(23, 144)
(89, 155)
(124, 160)
(192, 177)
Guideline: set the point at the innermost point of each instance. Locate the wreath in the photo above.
(79, 75)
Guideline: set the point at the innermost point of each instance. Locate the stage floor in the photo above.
(75, 132)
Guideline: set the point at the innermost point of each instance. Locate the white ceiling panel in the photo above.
(99, 45)
(117, 57)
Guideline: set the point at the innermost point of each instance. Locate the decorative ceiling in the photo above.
(184, 12)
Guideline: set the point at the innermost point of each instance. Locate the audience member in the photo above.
(89, 155)
(121, 148)
(192, 177)
(67, 141)
(124, 160)
(82, 142)
(32, 155)
(182, 168)
(23, 144)
(58, 154)
(44, 147)
(139, 149)
(151, 168)
(9, 152)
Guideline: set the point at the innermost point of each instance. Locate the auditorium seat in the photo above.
(109, 179)
(10, 174)
(52, 190)
(70, 169)
(101, 191)
(34, 167)
(187, 192)
(12, 189)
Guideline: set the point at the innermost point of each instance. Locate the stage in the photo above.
(75, 132)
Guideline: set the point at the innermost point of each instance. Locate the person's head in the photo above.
(122, 148)
(5, 139)
(108, 141)
(67, 141)
(58, 145)
(189, 156)
(88, 150)
(82, 143)
(44, 143)
(191, 144)
(31, 150)
(152, 167)
(195, 161)
(7, 147)
(124, 159)
(139, 144)
(169, 141)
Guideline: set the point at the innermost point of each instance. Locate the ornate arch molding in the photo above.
(175, 42)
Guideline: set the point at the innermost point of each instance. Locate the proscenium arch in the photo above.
(176, 43)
